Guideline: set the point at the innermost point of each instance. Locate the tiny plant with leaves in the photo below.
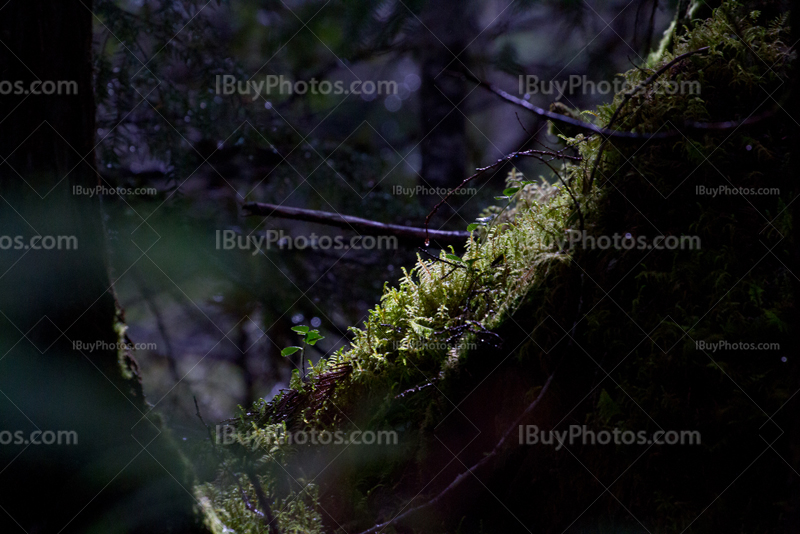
(310, 337)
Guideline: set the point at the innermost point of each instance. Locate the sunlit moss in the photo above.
(444, 310)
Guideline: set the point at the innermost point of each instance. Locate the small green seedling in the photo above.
(509, 194)
(310, 337)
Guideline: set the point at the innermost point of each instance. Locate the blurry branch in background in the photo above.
(356, 224)
(647, 42)
(557, 117)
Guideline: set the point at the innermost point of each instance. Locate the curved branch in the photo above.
(557, 117)
(537, 154)
(605, 132)
(625, 100)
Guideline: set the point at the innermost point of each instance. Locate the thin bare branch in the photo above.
(616, 134)
(557, 117)
(537, 154)
(357, 224)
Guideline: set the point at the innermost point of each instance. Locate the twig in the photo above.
(571, 194)
(357, 224)
(522, 125)
(537, 154)
(463, 476)
(208, 428)
(557, 117)
(651, 26)
(618, 134)
(147, 295)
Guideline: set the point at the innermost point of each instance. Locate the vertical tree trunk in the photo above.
(124, 474)
(448, 29)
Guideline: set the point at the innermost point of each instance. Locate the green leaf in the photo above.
(501, 198)
(313, 337)
(472, 227)
(288, 351)
(452, 257)
(510, 191)
(302, 330)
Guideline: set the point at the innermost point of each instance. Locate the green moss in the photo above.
(644, 310)
(226, 511)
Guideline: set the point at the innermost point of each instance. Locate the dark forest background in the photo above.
(212, 322)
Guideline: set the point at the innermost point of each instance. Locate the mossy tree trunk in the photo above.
(61, 365)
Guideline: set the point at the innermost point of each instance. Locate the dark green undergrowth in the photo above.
(456, 351)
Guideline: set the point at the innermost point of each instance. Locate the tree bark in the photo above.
(62, 365)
